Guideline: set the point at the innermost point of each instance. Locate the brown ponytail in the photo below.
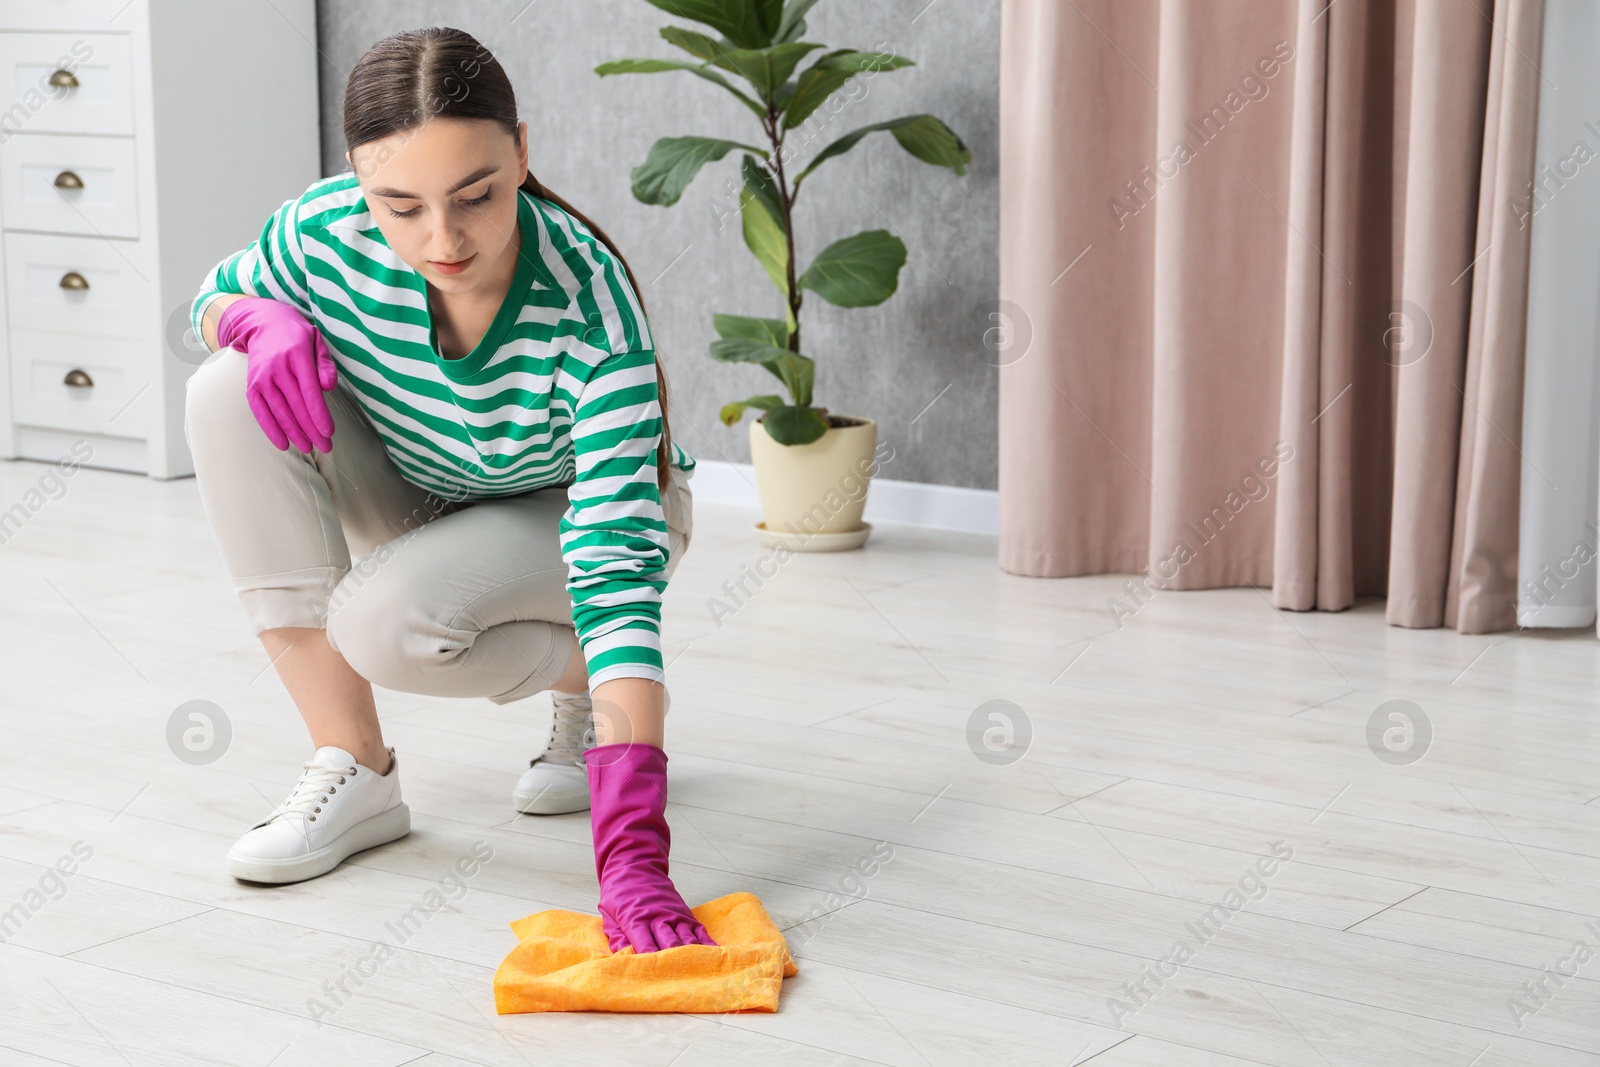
(411, 76)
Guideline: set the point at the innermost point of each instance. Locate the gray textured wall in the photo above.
(887, 362)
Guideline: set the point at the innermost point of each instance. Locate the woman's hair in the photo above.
(412, 76)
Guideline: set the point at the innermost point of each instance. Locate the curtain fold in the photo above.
(1482, 595)
(1274, 297)
(1295, 555)
(1559, 535)
(1428, 328)
(1351, 481)
(1075, 287)
(1222, 100)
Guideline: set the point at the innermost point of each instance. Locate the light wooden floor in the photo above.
(826, 718)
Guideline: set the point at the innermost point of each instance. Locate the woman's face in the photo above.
(413, 181)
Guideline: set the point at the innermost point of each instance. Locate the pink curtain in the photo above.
(1275, 294)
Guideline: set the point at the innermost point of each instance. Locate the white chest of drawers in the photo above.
(141, 142)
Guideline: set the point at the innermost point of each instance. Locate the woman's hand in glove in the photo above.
(627, 802)
(289, 369)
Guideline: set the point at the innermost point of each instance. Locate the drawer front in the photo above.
(77, 284)
(65, 83)
(77, 382)
(111, 16)
(61, 183)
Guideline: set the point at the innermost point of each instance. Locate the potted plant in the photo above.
(805, 457)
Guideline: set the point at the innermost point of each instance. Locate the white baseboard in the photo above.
(942, 507)
(1554, 616)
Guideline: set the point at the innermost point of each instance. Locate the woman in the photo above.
(482, 353)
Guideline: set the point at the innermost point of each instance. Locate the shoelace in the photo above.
(316, 784)
(571, 731)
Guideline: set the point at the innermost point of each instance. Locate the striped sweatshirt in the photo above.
(561, 390)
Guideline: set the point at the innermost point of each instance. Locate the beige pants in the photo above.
(420, 594)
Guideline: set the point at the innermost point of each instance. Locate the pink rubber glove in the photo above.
(289, 368)
(627, 801)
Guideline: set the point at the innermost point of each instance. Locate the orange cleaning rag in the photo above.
(563, 963)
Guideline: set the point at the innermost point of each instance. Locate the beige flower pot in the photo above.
(812, 495)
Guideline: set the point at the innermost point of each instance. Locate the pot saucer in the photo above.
(817, 542)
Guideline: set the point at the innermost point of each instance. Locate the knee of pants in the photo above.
(214, 395)
(677, 545)
(386, 634)
(680, 520)
(365, 626)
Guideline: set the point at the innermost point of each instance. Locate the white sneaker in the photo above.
(557, 780)
(338, 807)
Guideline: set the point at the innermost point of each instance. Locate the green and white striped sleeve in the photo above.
(614, 531)
(273, 266)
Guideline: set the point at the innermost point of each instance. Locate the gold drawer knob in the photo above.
(64, 79)
(68, 180)
(78, 379)
(73, 280)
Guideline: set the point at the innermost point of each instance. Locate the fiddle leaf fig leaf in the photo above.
(747, 23)
(784, 96)
(732, 413)
(795, 425)
(698, 44)
(792, 25)
(769, 13)
(747, 340)
(922, 135)
(764, 229)
(759, 181)
(766, 69)
(766, 331)
(673, 163)
(858, 271)
(829, 74)
(751, 350)
(801, 375)
(746, 350)
(656, 66)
